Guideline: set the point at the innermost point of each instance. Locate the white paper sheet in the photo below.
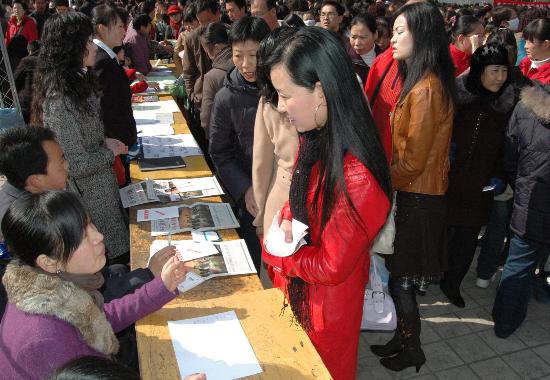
(134, 194)
(162, 106)
(170, 146)
(157, 213)
(154, 130)
(214, 344)
(144, 117)
(275, 242)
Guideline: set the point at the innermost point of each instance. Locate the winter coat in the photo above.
(461, 59)
(382, 89)
(91, 174)
(422, 126)
(335, 265)
(23, 77)
(359, 65)
(274, 153)
(196, 64)
(541, 74)
(40, 19)
(116, 99)
(26, 28)
(213, 81)
(527, 163)
(49, 321)
(478, 133)
(232, 133)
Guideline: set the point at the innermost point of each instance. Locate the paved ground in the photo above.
(460, 343)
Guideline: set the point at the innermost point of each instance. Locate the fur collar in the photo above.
(41, 294)
(504, 103)
(537, 99)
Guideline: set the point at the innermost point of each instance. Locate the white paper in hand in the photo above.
(275, 243)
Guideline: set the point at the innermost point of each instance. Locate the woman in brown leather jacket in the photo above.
(421, 132)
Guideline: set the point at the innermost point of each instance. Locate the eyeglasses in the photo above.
(328, 15)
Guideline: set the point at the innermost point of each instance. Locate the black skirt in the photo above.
(420, 236)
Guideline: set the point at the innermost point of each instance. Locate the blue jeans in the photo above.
(493, 239)
(516, 284)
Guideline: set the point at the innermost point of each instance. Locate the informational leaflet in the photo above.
(275, 242)
(170, 146)
(215, 345)
(162, 106)
(179, 189)
(151, 118)
(197, 217)
(172, 190)
(134, 195)
(150, 214)
(209, 260)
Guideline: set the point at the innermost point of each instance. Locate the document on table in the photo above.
(147, 118)
(163, 106)
(216, 345)
(183, 145)
(157, 213)
(179, 189)
(155, 129)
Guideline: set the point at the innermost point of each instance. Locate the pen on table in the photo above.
(170, 236)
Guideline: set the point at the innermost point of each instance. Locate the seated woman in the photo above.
(55, 312)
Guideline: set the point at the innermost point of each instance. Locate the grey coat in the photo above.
(81, 135)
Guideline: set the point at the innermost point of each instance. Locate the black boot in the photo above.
(409, 357)
(452, 295)
(408, 326)
(391, 348)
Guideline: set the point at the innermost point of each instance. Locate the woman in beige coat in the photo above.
(275, 149)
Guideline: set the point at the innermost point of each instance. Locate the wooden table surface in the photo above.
(283, 350)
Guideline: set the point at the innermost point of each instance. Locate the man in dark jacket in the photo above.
(232, 126)
(527, 162)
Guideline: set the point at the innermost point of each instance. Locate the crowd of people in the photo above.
(330, 113)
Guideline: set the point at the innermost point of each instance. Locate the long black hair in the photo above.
(59, 72)
(315, 55)
(430, 50)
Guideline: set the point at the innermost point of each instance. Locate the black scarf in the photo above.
(308, 155)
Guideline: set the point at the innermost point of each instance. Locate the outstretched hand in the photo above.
(173, 272)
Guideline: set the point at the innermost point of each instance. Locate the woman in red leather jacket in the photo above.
(340, 188)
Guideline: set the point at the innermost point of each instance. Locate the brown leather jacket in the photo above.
(421, 132)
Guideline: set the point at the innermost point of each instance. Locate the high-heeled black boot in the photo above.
(409, 357)
(391, 348)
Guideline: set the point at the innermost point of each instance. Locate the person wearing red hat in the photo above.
(175, 14)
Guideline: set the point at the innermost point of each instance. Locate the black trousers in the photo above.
(462, 243)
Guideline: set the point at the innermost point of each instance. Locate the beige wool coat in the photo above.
(274, 154)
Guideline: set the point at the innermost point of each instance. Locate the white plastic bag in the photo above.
(383, 243)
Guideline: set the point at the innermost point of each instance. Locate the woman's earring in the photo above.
(315, 117)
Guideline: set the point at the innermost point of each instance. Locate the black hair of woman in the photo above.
(263, 70)
(486, 55)
(463, 25)
(431, 50)
(537, 30)
(93, 368)
(293, 20)
(248, 28)
(54, 221)
(59, 70)
(506, 38)
(315, 55)
(216, 33)
(366, 19)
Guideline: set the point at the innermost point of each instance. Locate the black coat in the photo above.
(23, 77)
(527, 163)
(115, 99)
(232, 133)
(478, 132)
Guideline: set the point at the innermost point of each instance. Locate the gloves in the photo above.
(452, 153)
(498, 184)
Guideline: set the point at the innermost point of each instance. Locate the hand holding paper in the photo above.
(277, 245)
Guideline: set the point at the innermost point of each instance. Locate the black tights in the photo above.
(408, 317)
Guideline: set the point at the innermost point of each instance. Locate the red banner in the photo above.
(522, 3)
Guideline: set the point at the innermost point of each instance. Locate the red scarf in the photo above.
(176, 26)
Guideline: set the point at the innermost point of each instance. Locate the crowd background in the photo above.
(304, 109)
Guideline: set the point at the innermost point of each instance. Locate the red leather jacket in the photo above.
(336, 266)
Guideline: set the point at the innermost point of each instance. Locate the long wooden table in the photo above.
(283, 350)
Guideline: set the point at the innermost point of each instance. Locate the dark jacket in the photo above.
(478, 133)
(527, 163)
(213, 81)
(195, 65)
(232, 133)
(116, 99)
(40, 19)
(359, 66)
(23, 77)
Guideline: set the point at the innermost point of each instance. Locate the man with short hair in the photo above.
(235, 9)
(331, 17)
(136, 44)
(40, 14)
(62, 6)
(266, 9)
